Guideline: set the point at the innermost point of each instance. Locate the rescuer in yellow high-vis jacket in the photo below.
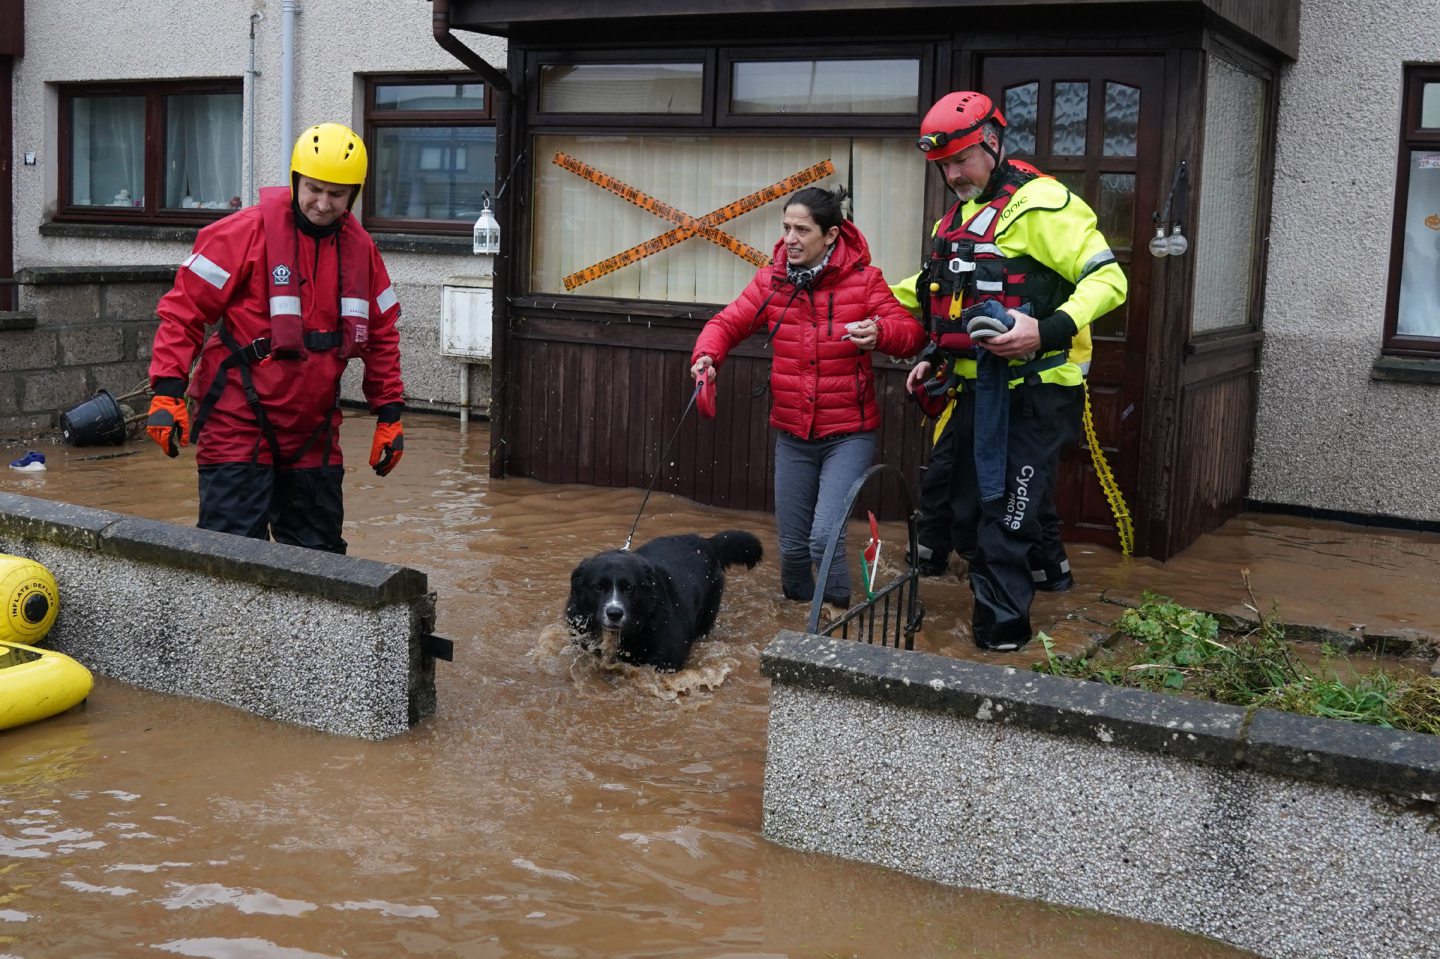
(1013, 399)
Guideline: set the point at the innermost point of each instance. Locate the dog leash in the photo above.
(700, 382)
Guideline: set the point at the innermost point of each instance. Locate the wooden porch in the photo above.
(588, 388)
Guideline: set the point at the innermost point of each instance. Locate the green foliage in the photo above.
(1177, 649)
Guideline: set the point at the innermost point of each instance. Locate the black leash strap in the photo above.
(663, 453)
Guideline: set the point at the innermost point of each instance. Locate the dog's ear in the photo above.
(647, 576)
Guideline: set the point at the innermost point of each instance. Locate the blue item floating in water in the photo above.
(31, 462)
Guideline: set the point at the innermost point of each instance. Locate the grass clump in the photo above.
(1177, 649)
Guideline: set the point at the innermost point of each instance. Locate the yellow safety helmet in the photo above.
(331, 152)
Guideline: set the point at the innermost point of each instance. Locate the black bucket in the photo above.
(95, 422)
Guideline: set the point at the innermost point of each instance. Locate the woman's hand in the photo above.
(706, 366)
(863, 333)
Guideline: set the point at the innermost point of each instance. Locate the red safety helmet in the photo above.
(956, 121)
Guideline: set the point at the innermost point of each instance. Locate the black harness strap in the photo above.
(240, 358)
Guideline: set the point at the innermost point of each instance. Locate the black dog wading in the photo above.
(659, 598)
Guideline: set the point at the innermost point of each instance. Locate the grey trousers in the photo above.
(812, 478)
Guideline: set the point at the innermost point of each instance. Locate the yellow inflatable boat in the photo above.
(37, 683)
(34, 683)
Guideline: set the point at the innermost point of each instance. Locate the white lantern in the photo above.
(1176, 243)
(487, 230)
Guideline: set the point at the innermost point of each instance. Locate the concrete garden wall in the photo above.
(331, 642)
(1286, 835)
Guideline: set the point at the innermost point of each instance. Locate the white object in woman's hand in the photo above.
(863, 333)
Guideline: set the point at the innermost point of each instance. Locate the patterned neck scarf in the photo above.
(804, 276)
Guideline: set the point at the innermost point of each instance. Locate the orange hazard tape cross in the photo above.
(688, 225)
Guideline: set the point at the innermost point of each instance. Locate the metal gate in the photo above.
(891, 614)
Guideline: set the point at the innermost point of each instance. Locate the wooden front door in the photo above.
(1094, 123)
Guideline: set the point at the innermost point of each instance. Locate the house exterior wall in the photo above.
(1327, 435)
(336, 41)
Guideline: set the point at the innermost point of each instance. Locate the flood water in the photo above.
(551, 808)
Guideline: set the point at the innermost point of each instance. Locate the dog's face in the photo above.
(607, 593)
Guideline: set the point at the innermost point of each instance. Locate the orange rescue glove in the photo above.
(389, 444)
(169, 423)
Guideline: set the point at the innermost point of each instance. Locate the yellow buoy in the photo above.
(30, 597)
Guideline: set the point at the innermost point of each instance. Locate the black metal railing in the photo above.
(893, 610)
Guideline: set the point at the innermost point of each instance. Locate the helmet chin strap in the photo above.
(997, 154)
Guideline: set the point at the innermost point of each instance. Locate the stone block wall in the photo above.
(335, 643)
(82, 329)
(1293, 837)
(77, 330)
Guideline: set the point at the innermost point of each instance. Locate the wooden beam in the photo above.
(1275, 23)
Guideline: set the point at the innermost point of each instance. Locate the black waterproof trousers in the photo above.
(302, 507)
(937, 531)
(1010, 531)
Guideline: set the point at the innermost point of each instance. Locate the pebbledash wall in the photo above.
(1282, 834)
(335, 643)
(97, 334)
(1337, 428)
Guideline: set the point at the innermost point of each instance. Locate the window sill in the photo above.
(17, 320)
(73, 275)
(387, 242)
(120, 231)
(1406, 369)
(424, 243)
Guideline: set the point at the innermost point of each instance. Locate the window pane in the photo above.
(1115, 214)
(202, 151)
(1430, 107)
(429, 96)
(108, 151)
(1116, 209)
(1074, 180)
(1020, 110)
(432, 173)
(1122, 119)
(1072, 110)
(1223, 241)
(826, 86)
(1115, 323)
(671, 88)
(1419, 310)
(698, 175)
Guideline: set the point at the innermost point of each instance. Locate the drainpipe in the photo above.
(505, 118)
(288, 10)
(254, 73)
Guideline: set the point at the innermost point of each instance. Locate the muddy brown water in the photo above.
(551, 808)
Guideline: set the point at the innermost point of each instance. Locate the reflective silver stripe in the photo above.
(990, 286)
(988, 248)
(1103, 258)
(284, 306)
(981, 223)
(387, 299)
(1038, 575)
(207, 270)
(354, 306)
(1084, 368)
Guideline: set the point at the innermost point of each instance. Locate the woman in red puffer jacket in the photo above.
(823, 308)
